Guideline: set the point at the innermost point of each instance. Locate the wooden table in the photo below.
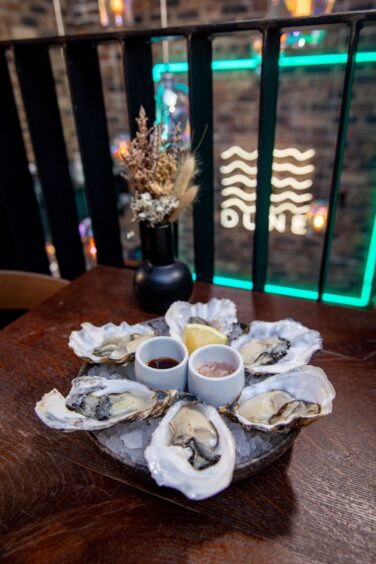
(61, 500)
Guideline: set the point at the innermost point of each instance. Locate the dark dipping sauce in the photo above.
(162, 363)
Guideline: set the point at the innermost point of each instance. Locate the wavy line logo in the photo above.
(290, 199)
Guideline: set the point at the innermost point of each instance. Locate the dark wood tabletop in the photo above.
(62, 500)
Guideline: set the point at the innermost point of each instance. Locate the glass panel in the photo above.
(307, 121)
(354, 243)
(236, 83)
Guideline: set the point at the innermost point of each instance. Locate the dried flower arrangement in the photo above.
(161, 174)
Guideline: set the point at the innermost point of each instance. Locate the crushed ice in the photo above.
(128, 441)
(112, 371)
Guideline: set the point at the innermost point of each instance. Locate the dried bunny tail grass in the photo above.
(186, 200)
(185, 175)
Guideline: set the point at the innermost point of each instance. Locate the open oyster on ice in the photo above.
(219, 313)
(273, 348)
(283, 400)
(109, 343)
(95, 403)
(192, 450)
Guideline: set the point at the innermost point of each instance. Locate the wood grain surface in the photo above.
(62, 500)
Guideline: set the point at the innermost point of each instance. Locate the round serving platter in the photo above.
(255, 450)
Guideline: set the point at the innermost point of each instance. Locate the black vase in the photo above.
(160, 280)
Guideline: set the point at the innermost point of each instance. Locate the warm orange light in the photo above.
(50, 248)
(318, 222)
(299, 8)
(123, 148)
(302, 8)
(114, 12)
(317, 217)
(92, 247)
(120, 146)
(117, 7)
(257, 45)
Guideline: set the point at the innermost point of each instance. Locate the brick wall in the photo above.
(19, 19)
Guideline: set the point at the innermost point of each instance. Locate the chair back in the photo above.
(26, 290)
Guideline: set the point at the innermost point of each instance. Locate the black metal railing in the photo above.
(23, 230)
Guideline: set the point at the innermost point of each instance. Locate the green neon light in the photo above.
(233, 282)
(369, 272)
(324, 59)
(252, 63)
(363, 301)
(343, 300)
(161, 68)
(238, 64)
(328, 297)
(292, 292)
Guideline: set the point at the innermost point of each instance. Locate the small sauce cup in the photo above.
(220, 390)
(174, 378)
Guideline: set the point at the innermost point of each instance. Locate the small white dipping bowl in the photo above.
(174, 378)
(216, 391)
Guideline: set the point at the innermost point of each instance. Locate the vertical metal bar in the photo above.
(266, 133)
(88, 105)
(139, 87)
(201, 117)
(16, 186)
(39, 96)
(338, 156)
(138, 73)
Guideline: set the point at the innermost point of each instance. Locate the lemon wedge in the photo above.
(196, 335)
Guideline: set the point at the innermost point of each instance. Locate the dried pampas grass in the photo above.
(185, 175)
(184, 202)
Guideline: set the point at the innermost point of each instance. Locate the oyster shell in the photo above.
(296, 397)
(192, 450)
(97, 403)
(273, 348)
(109, 343)
(219, 313)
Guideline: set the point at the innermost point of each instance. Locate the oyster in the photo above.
(296, 397)
(273, 348)
(263, 352)
(97, 403)
(219, 313)
(191, 429)
(109, 343)
(192, 450)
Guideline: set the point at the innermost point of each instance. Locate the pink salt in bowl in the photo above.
(216, 374)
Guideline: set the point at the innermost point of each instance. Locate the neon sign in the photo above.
(288, 208)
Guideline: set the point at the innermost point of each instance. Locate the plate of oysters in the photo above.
(196, 399)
